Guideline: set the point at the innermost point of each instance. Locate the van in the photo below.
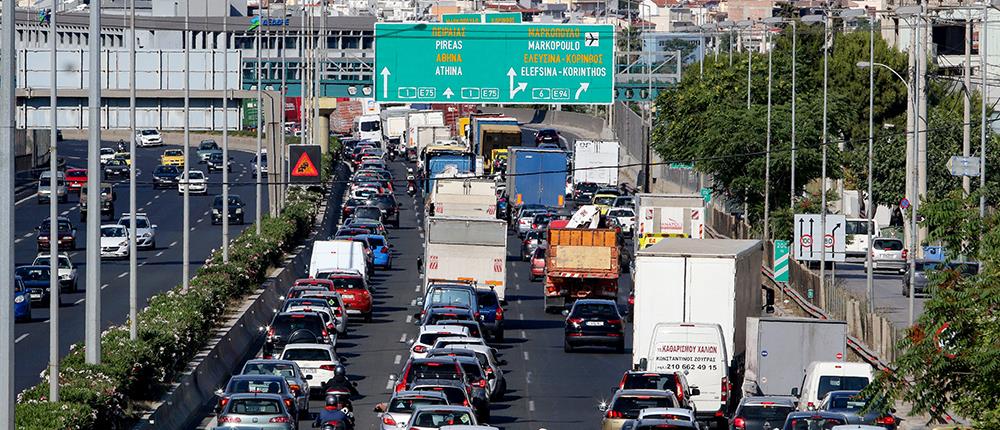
(368, 127)
(698, 350)
(821, 377)
(331, 255)
(856, 236)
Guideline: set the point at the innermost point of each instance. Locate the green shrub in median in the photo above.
(171, 330)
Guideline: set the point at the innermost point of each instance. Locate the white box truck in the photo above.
(667, 215)
(468, 198)
(426, 135)
(417, 119)
(595, 161)
(333, 255)
(466, 249)
(394, 125)
(780, 349)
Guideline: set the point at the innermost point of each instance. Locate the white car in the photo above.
(107, 154)
(624, 217)
(318, 362)
(452, 341)
(114, 241)
(336, 304)
(67, 271)
(145, 231)
(429, 334)
(148, 137)
(196, 182)
(397, 411)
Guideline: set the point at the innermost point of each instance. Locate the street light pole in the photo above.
(767, 150)
(93, 308)
(8, 121)
(982, 114)
(258, 121)
(870, 206)
(794, 37)
(822, 219)
(133, 263)
(54, 292)
(186, 233)
(225, 137)
(749, 65)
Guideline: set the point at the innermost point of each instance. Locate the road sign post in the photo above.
(781, 260)
(306, 165)
(807, 234)
(494, 63)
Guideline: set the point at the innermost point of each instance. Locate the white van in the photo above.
(330, 255)
(368, 127)
(856, 236)
(699, 350)
(825, 376)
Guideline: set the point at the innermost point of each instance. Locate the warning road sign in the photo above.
(305, 168)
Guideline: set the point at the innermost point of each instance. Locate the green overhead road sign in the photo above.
(494, 63)
(781, 260)
(452, 18)
(475, 18)
(503, 17)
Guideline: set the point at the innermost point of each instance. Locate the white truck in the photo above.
(466, 249)
(394, 125)
(667, 215)
(595, 161)
(335, 255)
(468, 198)
(426, 135)
(780, 349)
(417, 119)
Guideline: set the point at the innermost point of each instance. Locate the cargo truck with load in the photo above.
(580, 263)
(394, 126)
(595, 162)
(418, 119)
(667, 215)
(680, 286)
(466, 249)
(536, 176)
(468, 198)
(427, 136)
(779, 350)
(446, 159)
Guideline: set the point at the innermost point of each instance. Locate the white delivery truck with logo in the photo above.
(468, 198)
(683, 289)
(336, 255)
(668, 215)
(470, 249)
(595, 161)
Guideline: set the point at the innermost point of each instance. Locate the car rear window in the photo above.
(888, 245)
(831, 383)
(487, 299)
(306, 355)
(591, 310)
(347, 283)
(434, 419)
(765, 412)
(650, 381)
(450, 297)
(376, 241)
(255, 407)
(810, 423)
(285, 325)
(472, 369)
(455, 395)
(276, 369)
(434, 370)
(255, 386)
(430, 338)
(408, 404)
(629, 406)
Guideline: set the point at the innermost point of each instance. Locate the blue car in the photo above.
(22, 301)
(36, 281)
(490, 313)
(381, 250)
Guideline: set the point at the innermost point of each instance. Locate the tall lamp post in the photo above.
(776, 21)
(747, 24)
(914, 12)
(813, 19)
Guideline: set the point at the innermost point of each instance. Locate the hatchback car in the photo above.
(546, 135)
(196, 183)
(676, 382)
(389, 207)
(761, 412)
(356, 295)
(537, 270)
(145, 231)
(22, 301)
(852, 405)
(397, 411)
(623, 219)
(297, 327)
(428, 417)
(35, 280)
(271, 384)
(490, 313)
(256, 410)
(114, 241)
(627, 404)
(172, 157)
(532, 240)
(115, 168)
(584, 191)
(366, 211)
(206, 148)
(888, 254)
(148, 137)
(381, 250)
(75, 178)
(594, 322)
(318, 362)
(215, 162)
(66, 234)
(289, 370)
(810, 420)
(165, 176)
(67, 271)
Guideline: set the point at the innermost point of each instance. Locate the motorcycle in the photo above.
(411, 185)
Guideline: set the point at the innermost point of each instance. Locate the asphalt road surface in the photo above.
(159, 269)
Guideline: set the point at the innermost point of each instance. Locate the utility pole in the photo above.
(93, 307)
(982, 115)
(186, 234)
(54, 292)
(767, 151)
(794, 37)
(225, 137)
(967, 101)
(260, 126)
(133, 257)
(822, 188)
(8, 67)
(870, 205)
(922, 31)
(279, 161)
(749, 65)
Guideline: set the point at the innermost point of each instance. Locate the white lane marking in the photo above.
(27, 235)
(409, 319)
(525, 355)
(531, 405)
(157, 254)
(122, 275)
(192, 228)
(149, 203)
(523, 334)
(388, 384)
(515, 274)
(421, 235)
(200, 220)
(143, 263)
(64, 213)
(21, 337)
(18, 240)
(517, 286)
(520, 316)
(527, 377)
(79, 301)
(106, 285)
(206, 213)
(402, 339)
(158, 195)
(172, 244)
(24, 199)
(413, 302)
(417, 289)
(397, 359)
(519, 301)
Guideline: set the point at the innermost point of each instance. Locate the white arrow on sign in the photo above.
(447, 93)
(583, 87)
(520, 87)
(385, 82)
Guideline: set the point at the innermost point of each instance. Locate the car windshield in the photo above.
(487, 299)
(139, 222)
(306, 355)
(173, 153)
(650, 381)
(207, 145)
(345, 283)
(305, 303)
(450, 297)
(148, 132)
(64, 226)
(367, 212)
(888, 244)
(438, 419)
(629, 406)
(766, 412)
(604, 200)
(370, 126)
(833, 383)
(251, 385)
(408, 404)
(196, 175)
(166, 169)
(277, 369)
(115, 231)
(233, 201)
(594, 310)
(255, 407)
(36, 273)
(857, 227)
(811, 423)
(621, 213)
(847, 402)
(285, 325)
(64, 262)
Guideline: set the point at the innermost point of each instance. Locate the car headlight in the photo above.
(239, 211)
(64, 276)
(147, 234)
(123, 244)
(19, 299)
(216, 212)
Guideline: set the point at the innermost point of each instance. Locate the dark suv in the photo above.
(390, 209)
(490, 313)
(165, 176)
(673, 381)
(594, 322)
(294, 327)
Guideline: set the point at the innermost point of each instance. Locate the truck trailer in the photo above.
(580, 264)
(468, 197)
(596, 162)
(780, 349)
(536, 176)
(660, 215)
(470, 249)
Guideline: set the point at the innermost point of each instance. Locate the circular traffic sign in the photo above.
(840, 356)
(905, 203)
(828, 241)
(806, 240)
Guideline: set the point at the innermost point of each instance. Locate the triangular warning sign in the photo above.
(305, 166)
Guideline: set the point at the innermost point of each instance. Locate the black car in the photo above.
(272, 384)
(236, 206)
(809, 420)
(584, 191)
(762, 412)
(349, 207)
(66, 235)
(674, 381)
(546, 135)
(440, 313)
(216, 162)
(390, 208)
(165, 176)
(293, 327)
(367, 212)
(594, 322)
(490, 313)
(115, 168)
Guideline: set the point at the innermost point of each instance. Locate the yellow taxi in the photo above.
(172, 157)
(124, 156)
(604, 202)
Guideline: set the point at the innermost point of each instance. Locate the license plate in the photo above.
(595, 323)
(347, 296)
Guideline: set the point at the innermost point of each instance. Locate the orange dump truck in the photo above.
(580, 264)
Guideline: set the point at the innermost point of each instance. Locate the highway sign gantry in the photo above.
(494, 63)
(808, 233)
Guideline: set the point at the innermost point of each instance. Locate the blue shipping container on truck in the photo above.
(537, 176)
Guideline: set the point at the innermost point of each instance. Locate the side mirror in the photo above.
(309, 377)
(565, 312)
(795, 392)
(695, 391)
(379, 408)
(393, 377)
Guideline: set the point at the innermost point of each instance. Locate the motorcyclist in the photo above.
(340, 381)
(333, 411)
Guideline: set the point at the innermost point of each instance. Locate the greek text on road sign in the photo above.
(494, 63)
(808, 227)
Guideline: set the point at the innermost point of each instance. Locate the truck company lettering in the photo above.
(697, 349)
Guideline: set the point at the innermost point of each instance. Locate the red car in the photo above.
(538, 264)
(356, 295)
(75, 178)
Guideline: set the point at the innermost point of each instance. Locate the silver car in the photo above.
(434, 417)
(888, 254)
(396, 413)
(257, 411)
(44, 193)
(290, 371)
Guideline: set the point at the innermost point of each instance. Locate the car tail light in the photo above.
(329, 326)
(336, 312)
(328, 367)
(228, 419)
(725, 390)
(631, 299)
(295, 388)
(325, 333)
(575, 320)
(887, 420)
(223, 402)
(904, 254)
(419, 348)
(740, 423)
(614, 414)
(614, 322)
(481, 383)
(384, 250)
(288, 403)
(465, 403)
(270, 332)
(279, 420)
(400, 386)
(499, 313)
(488, 370)
(387, 420)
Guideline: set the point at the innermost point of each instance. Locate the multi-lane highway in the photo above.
(889, 299)
(159, 269)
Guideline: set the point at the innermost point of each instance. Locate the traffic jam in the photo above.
(624, 274)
